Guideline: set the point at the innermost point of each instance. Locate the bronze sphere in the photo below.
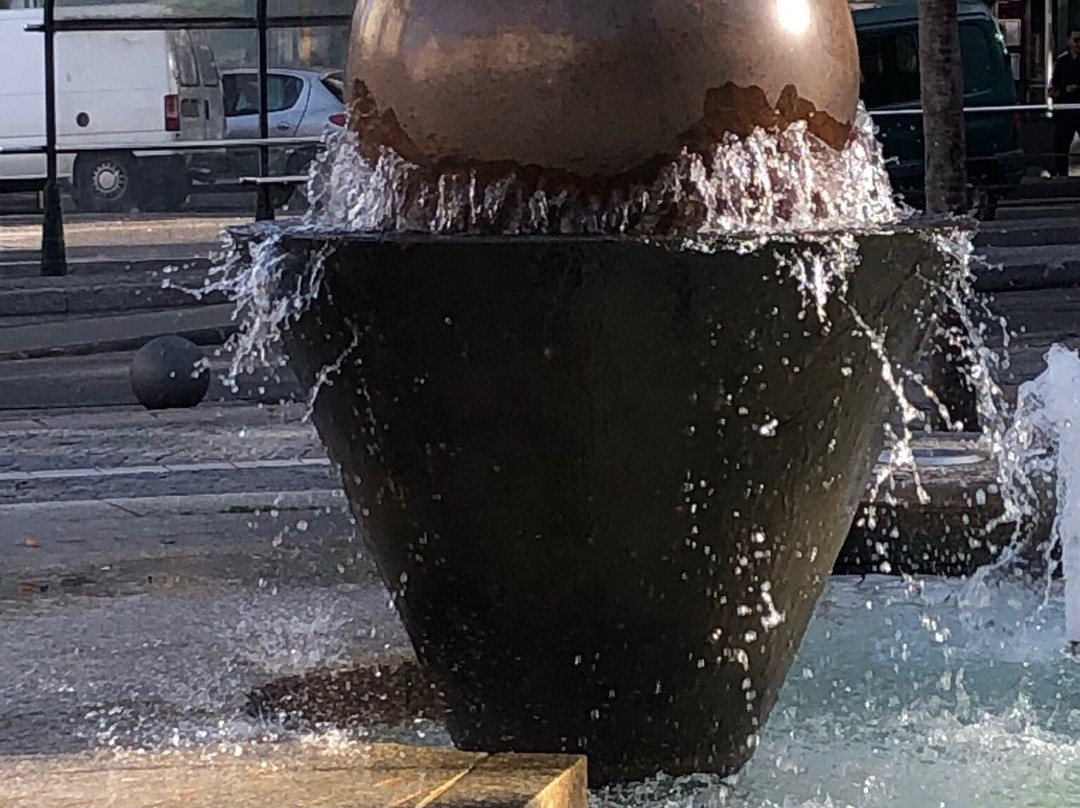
(598, 88)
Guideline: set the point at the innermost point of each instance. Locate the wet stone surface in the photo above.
(139, 607)
(55, 439)
(81, 672)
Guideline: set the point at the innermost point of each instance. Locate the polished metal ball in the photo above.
(596, 88)
(169, 372)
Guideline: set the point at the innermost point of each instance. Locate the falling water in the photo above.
(769, 183)
(1047, 434)
(770, 186)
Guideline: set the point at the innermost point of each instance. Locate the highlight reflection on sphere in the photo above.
(794, 15)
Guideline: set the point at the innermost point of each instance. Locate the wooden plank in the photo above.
(295, 775)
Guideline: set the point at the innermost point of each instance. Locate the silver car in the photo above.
(301, 103)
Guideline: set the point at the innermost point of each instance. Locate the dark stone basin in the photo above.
(607, 479)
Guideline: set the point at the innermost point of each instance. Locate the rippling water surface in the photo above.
(912, 694)
(904, 694)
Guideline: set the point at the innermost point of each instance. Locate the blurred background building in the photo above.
(288, 47)
(1027, 26)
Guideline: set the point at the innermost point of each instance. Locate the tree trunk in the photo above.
(942, 86)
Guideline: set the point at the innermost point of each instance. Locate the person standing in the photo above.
(1065, 89)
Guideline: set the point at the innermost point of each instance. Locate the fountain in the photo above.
(602, 353)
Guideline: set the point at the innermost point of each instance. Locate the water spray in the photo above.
(1049, 407)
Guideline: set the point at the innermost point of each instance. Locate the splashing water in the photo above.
(766, 184)
(769, 185)
(895, 701)
(1047, 436)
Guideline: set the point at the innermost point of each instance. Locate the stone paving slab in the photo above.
(44, 546)
(107, 231)
(55, 486)
(120, 436)
(115, 331)
(164, 468)
(106, 417)
(132, 261)
(104, 380)
(296, 776)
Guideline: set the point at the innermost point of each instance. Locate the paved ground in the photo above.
(100, 230)
(103, 380)
(154, 569)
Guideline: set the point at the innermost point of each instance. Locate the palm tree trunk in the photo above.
(942, 86)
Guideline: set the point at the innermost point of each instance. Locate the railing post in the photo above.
(1049, 48)
(53, 251)
(264, 210)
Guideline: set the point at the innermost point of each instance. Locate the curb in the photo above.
(29, 266)
(203, 324)
(194, 503)
(1028, 277)
(112, 293)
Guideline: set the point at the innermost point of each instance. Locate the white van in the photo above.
(125, 88)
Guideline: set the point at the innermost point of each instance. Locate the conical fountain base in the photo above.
(606, 479)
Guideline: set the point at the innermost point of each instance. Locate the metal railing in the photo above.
(1047, 110)
(53, 251)
(1033, 141)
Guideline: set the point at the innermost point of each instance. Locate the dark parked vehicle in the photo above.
(889, 56)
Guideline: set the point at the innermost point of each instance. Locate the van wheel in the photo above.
(105, 183)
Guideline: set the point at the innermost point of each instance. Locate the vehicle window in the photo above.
(982, 61)
(890, 65)
(283, 92)
(204, 54)
(872, 71)
(231, 86)
(241, 93)
(336, 85)
(890, 69)
(186, 67)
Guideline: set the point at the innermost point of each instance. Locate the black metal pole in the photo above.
(53, 252)
(264, 211)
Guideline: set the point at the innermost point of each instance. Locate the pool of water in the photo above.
(928, 694)
(904, 693)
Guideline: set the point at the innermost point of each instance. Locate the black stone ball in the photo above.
(168, 373)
